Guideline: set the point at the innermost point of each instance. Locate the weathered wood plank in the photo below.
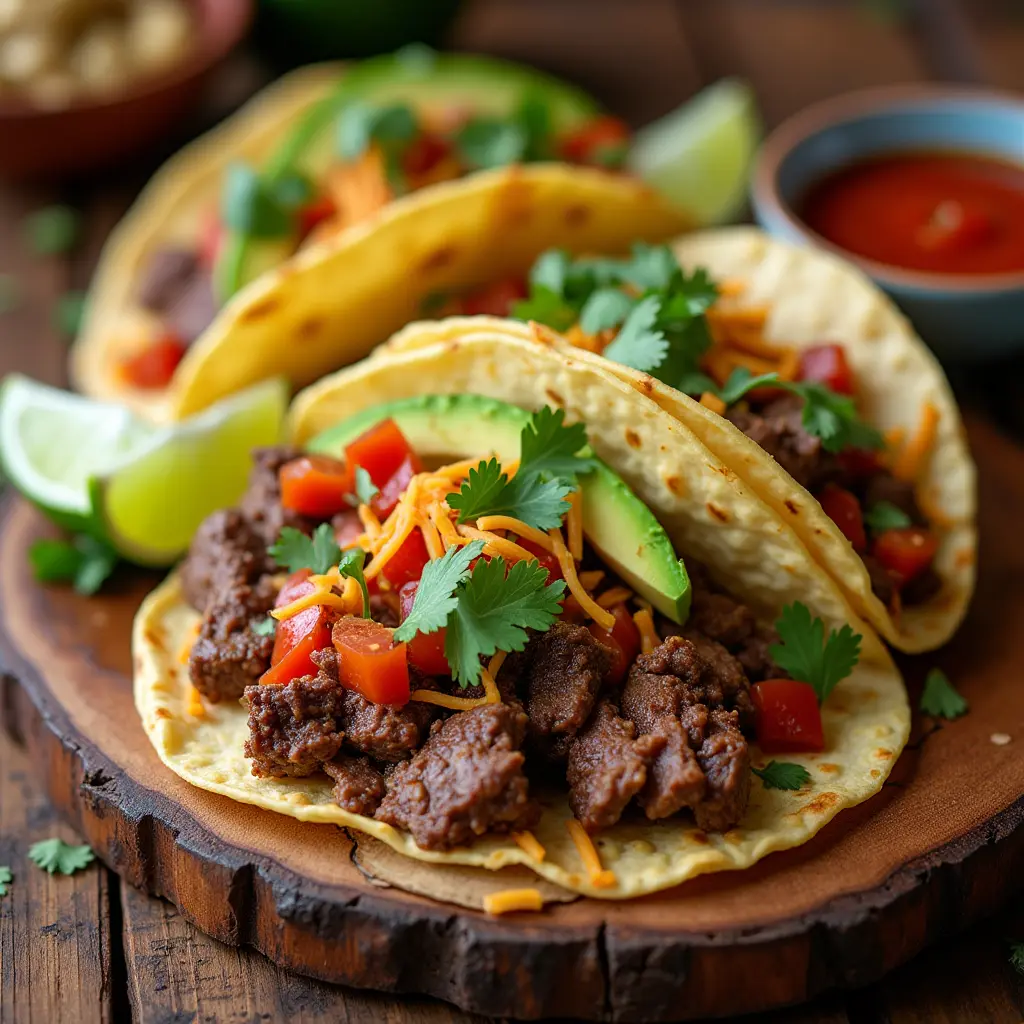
(54, 936)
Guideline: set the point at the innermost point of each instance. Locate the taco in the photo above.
(584, 642)
(359, 193)
(802, 377)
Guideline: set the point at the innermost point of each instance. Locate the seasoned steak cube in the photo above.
(227, 655)
(225, 550)
(293, 729)
(358, 786)
(725, 759)
(607, 767)
(467, 780)
(261, 503)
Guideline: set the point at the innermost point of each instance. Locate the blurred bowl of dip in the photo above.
(923, 188)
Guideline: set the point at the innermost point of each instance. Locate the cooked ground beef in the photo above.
(725, 760)
(467, 780)
(358, 786)
(755, 658)
(261, 503)
(227, 655)
(387, 732)
(293, 729)
(675, 779)
(607, 767)
(561, 672)
(883, 583)
(178, 288)
(921, 589)
(224, 550)
(885, 487)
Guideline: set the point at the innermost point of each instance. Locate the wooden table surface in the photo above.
(89, 948)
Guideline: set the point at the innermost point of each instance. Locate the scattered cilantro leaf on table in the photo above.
(783, 775)
(436, 594)
(83, 561)
(883, 515)
(365, 489)
(1017, 956)
(52, 229)
(56, 856)
(6, 877)
(940, 698)
(807, 656)
(351, 565)
(69, 311)
(265, 627)
(294, 550)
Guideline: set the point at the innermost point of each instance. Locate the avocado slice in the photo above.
(415, 75)
(619, 526)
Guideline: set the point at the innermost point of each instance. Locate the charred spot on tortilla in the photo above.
(822, 802)
(792, 506)
(828, 768)
(719, 513)
(260, 310)
(554, 397)
(577, 215)
(438, 259)
(310, 327)
(675, 485)
(633, 439)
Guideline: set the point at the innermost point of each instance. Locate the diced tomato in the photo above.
(385, 500)
(154, 366)
(369, 661)
(906, 552)
(297, 637)
(424, 153)
(313, 214)
(348, 527)
(315, 485)
(788, 716)
(601, 142)
(843, 509)
(211, 237)
(494, 299)
(544, 558)
(827, 364)
(859, 463)
(426, 650)
(624, 641)
(408, 561)
(381, 450)
(572, 610)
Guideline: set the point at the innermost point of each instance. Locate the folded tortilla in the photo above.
(710, 515)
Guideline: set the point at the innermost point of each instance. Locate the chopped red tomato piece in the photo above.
(407, 562)
(788, 716)
(154, 366)
(843, 509)
(827, 364)
(348, 528)
(315, 485)
(384, 501)
(906, 552)
(544, 558)
(313, 214)
(859, 462)
(494, 299)
(369, 661)
(624, 641)
(381, 450)
(211, 237)
(297, 637)
(426, 650)
(601, 142)
(424, 153)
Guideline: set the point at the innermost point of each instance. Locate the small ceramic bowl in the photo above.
(962, 316)
(93, 133)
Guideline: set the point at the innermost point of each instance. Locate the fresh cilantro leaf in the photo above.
(690, 296)
(550, 271)
(5, 879)
(250, 206)
(940, 698)
(639, 344)
(481, 493)
(436, 594)
(365, 489)
(534, 118)
(294, 550)
(883, 515)
(807, 656)
(292, 190)
(10, 293)
(740, 381)
(351, 564)
(69, 311)
(491, 142)
(650, 268)
(545, 307)
(54, 855)
(360, 125)
(83, 561)
(607, 307)
(783, 775)
(832, 418)
(1017, 956)
(52, 230)
(548, 447)
(494, 610)
(265, 627)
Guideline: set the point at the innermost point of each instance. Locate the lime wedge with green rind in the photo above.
(699, 156)
(92, 467)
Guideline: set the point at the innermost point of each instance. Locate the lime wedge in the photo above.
(94, 468)
(699, 156)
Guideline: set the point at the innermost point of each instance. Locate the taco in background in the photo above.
(581, 623)
(378, 185)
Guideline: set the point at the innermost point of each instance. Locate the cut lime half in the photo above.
(699, 156)
(94, 468)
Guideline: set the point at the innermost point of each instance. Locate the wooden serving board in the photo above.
(936, 849)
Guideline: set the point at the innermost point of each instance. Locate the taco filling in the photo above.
(441, 640)
(394, 126)
(800, 406)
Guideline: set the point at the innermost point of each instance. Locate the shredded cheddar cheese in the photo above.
(349, 601)
(617, 595)
(508, 900)
(431, 536)
(518, 527)
(574, 525)
(445, 700)
(591, 608)
(495, 545)
(527, 842)
(194, 704)
(649, 638)
(186, 648)
(712, 402)
(439, 516)
(591, 578)
(371, 524)
(600, 877)
(404, 525)
(910, 462)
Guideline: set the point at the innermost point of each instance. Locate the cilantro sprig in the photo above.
(485, 141)
(807, 656)
(294, 550)
(883, 515)
(365, 489)
(265, 627)
(436, 593)
(783, 775)
(260, 208)
(351, 565)
(83, 561)
(56, 856)
(940, 698)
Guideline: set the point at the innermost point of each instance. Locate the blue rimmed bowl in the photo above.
(962, 316)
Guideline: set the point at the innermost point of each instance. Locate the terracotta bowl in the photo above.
(87, 134)
(962, 317)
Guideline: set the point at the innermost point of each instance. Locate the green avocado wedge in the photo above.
(618, 525)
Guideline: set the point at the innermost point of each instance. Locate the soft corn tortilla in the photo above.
(710, 515)
(328, 305)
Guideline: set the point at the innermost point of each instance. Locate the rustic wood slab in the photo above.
(935, 849)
